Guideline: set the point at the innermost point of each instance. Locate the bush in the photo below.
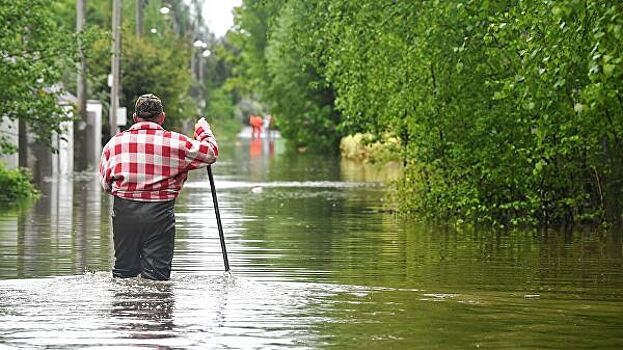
(507, 112)
(16, 185)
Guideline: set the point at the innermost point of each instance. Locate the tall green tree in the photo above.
(509, 112)
(158, 62)
(150, 68)
(34, 51)
(296, 92)
(273, 67)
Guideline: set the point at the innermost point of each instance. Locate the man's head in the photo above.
(148, 107)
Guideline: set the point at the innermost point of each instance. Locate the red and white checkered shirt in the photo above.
(149, 164)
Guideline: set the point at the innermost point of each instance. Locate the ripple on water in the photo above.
(195, 311)
(282, 184)
(189, 311)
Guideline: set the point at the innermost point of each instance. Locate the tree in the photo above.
(508, 112)
(155, 62)
(297, 94)
(34, 51)
(159, 70)
(272, 66)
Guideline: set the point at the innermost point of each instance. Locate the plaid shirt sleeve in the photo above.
(148, 163)
(203, 150)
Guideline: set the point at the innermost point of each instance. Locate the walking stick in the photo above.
(218, 219)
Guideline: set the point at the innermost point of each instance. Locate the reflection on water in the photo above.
(146, 307)
(62, 233)
(357, 171)
(186, 312)
(316, 263)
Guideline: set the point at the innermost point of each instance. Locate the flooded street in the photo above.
(316, 263)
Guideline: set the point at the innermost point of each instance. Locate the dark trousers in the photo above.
(144, 236)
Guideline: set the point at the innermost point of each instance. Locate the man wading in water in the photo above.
(144, 169)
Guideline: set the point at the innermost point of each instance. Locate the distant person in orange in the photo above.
(256, 126)
(259, 121)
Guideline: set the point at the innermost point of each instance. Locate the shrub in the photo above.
(16, 185)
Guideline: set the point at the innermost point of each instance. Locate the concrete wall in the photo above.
(63, 160)
(41, 161)
(39, 158)
(94, 134)
(9, 129)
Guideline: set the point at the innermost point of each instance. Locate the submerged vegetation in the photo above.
(508, 112)
(370, 148)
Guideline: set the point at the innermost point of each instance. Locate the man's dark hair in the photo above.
(148, 106)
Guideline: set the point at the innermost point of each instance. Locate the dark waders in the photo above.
(144, 236)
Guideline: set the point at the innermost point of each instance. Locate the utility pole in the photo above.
(140, 5)
(80, 126)
(194, 29)
(116, 49)
(199, 31)
(193, 37)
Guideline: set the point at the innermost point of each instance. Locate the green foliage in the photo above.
(253, 20)
(221, 109)
(272, 64)
(221, 114)
(16, 185)
(34, 51)
(155, 62)
(513, 132)
(508, 112)
(220, 105)
(159, 70)
(297, 95)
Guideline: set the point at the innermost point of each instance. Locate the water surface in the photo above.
(316, 263)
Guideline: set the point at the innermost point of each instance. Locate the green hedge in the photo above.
(508, 112)
(16, 185)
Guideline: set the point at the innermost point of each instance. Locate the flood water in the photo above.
(316, 263)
